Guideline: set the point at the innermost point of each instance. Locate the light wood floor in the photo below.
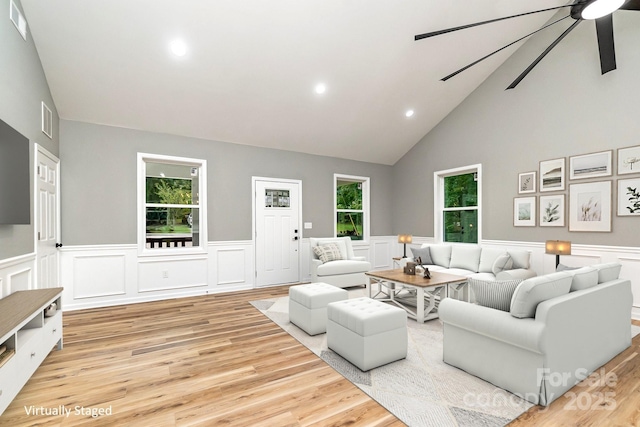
(215, 360)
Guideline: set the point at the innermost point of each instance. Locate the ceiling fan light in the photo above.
(600, 8)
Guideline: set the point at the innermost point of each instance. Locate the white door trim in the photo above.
(254, 180)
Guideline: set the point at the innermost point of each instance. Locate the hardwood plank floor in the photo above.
(215, 360)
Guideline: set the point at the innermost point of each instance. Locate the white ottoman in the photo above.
(366, 332)
(308, 305)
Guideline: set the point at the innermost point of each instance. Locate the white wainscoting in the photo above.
(17, 274)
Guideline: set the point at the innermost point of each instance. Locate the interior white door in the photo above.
(47, 218)
(277, 232)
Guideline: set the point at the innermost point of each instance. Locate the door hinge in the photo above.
(38, 170)
(38, 232)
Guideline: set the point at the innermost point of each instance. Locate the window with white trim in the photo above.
(457, 204)
(171, 204)
(351, 204)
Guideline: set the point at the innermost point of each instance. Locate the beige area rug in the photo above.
(420, 390)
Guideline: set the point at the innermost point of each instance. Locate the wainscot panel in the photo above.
(17, 274)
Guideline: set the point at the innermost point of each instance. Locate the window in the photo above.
(172, 204)
(457, 204)
(351, 206)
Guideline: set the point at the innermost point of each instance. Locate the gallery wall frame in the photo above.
(629, 197)
(593, 165)
(552, 211)
(552, 175)
(629, 160)
(524, 211)
(527, 182)
(590, 206)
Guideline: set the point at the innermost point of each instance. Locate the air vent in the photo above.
(47, 121)
(18, 20)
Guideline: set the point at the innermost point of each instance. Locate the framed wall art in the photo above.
(591, 165)
(552, 175)
(527, 182)
(524, 211)
(629, 197)
(629, 160)
(590, 206)
(552, 212)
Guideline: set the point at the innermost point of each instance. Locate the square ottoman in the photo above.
(366, 332)
(308, 305)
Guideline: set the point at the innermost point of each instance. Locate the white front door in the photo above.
(47, 220)
(277, 231)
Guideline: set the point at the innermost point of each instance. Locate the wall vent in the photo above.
(47, 121)
(18, 20)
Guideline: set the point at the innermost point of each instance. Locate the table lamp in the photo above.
(404, 239)
(557, 248)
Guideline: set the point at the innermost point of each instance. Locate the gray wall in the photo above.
(564, 107)
(23, 87)
(99, 183)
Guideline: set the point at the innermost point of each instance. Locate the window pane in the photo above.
(169, 183)
(172, 227)
(349, 195)
(461, 226)
(351, 224)
(460, 191)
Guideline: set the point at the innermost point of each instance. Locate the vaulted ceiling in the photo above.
(251, 67)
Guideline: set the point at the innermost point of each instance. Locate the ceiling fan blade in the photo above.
(604, 29)
(455, 73)
(462, 27)
(546, 51)
(631, 5)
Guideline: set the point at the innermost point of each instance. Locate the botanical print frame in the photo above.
(590, 206)
(552, 212)
(524, 211)
(591, 165)
(527, 182)
(629, 160)
(629, 197)
(552, 175)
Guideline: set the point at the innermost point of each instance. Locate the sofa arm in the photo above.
(516, 274)
(495, 324)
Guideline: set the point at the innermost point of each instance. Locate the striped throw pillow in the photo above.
(494, 294)
(327, 252)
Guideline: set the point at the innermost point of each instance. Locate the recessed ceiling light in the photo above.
(320, 88)
(409, 113)
(178, 48)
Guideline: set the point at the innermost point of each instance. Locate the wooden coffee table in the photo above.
(418, 296)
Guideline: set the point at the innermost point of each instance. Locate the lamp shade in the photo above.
(404, 238)
(558, 247)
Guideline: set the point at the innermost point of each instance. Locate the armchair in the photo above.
(344, 272)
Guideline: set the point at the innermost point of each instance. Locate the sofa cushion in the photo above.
(583, 278)
(441, 255)
(607, 272)
(493, 293)
(465, 257)
(328, 252)
(458, 272)
(533, 291)
(423, 253)
(503, 262)
(520, 258)
(343, 267)
(488, 257)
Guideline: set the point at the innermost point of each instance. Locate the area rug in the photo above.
(420, 390)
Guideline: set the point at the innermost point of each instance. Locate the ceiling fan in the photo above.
(599, 10)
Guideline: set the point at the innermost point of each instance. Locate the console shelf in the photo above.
(27, 337)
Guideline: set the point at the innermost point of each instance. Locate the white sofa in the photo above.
(568, 324)
(345, 272)
(476, 262)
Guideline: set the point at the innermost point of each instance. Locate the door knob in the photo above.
(58, 245)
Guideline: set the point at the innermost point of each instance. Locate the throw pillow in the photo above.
(493, 293)
(583, 278)
(520, 258)
(424, 253)
(608, 272)
(328, 252)
(562, 267)
(503, 262)
(535, 290)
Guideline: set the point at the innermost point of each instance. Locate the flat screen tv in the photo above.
(15, 198)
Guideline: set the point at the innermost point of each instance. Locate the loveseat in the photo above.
(559, 328)
(333, 261)
(474, 261)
